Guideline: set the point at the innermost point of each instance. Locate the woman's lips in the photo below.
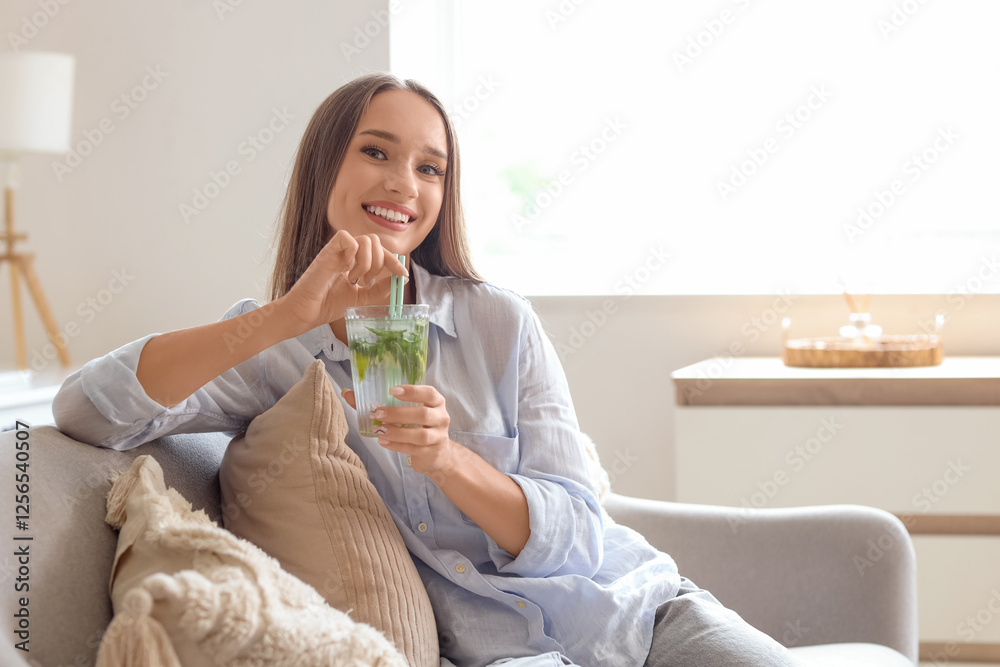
(388, 224)
(390, 210)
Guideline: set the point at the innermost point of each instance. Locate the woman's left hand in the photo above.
(425, 438)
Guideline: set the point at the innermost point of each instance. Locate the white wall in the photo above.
(224, 74)
(118, 211)
(619, 372)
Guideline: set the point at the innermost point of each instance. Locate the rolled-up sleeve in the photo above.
(567, 529)
(104, 404)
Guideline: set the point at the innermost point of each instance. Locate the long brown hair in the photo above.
(304, 229)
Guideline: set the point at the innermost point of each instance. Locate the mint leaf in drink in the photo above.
(405, 350)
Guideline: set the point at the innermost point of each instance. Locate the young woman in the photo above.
(495, 501)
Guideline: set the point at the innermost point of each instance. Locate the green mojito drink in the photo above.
(388, 348)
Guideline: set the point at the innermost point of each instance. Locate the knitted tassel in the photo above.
(135, 639)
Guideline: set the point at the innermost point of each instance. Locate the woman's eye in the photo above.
(431, 170)
(374, 152)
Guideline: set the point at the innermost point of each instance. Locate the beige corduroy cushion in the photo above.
(293, 487)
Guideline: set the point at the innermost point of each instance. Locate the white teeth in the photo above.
(394, 216)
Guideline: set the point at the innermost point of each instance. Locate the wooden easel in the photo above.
(21, 265)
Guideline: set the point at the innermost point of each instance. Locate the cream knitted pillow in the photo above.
(293, 487)
(188, 593)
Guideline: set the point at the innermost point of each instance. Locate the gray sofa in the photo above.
(790, 572)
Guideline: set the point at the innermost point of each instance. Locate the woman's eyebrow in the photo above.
(390, 137)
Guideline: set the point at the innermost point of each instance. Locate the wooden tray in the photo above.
(839, 352)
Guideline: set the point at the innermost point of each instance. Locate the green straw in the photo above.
(393, 376)
(392, 292)
(396, 291)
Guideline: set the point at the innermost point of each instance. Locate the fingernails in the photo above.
(383, 441)
(379, 414)
(396, 391)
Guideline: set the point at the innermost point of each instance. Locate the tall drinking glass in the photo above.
(388, 348)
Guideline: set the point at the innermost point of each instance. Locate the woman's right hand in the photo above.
(348, 271)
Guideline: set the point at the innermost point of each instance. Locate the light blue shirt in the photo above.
(584, 590)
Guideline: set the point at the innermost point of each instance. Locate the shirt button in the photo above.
(409, 461)
(460, 568)
(422, 527)
(521, 605)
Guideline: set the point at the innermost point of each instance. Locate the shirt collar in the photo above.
(431, 289)
(436, 292)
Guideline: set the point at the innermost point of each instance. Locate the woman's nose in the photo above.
(402, 180)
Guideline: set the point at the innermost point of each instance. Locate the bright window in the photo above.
(732, 147)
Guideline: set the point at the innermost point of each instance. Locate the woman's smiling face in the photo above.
(391, 182)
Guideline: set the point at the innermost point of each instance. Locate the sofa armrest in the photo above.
(805, 576)
(72, 547)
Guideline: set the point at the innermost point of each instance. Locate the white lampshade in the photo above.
(36, 102)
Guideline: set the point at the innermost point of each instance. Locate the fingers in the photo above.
(340, 250)
(410, 415)
(397, 437)
(348, 395)
(418, 393)
(378, 293)
(362, 261)
(431, 415)
(394, 265)
(366, 259)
